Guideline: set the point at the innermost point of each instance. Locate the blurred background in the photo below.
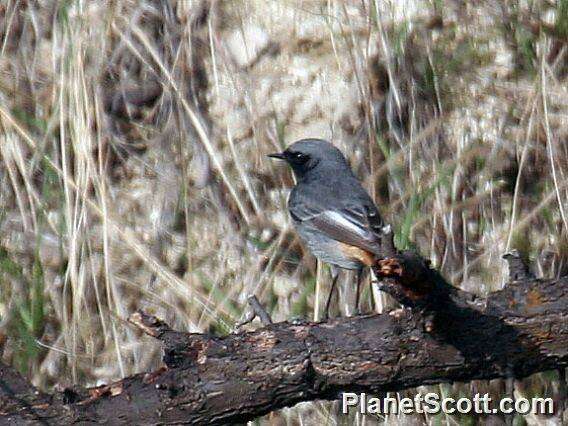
(133, 169)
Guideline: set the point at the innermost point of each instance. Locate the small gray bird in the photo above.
(334, 215)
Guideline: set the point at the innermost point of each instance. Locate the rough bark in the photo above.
(448, 335)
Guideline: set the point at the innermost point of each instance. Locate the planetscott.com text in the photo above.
(432, 403)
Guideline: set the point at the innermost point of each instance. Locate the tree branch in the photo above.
(449, 335)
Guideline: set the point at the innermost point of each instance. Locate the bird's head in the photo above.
(307, 155)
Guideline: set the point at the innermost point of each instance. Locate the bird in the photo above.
(331, 211)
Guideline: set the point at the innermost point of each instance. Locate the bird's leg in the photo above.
(334, 276)
(358, 291)
(371, 282)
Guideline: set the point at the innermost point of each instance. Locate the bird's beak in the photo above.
(278, 155)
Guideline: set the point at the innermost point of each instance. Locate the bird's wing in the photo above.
(357, 225)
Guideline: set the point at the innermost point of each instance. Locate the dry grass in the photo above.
(133, 172)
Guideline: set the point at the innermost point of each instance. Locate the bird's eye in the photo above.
(295, 157)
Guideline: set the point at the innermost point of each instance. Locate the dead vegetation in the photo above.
(133, 173)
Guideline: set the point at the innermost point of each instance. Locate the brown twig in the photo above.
(256, 310)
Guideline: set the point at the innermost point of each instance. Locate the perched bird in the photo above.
(334, 215)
